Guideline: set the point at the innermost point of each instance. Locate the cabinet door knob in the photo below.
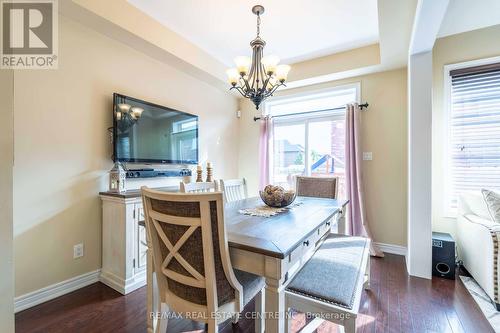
(306, 243)
(328, 223)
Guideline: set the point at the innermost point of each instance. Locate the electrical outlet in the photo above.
(367, 156)
(78, 251)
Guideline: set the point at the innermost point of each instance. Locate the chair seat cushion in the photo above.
(251, 284)
(332, 273)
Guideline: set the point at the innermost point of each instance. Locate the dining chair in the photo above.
(191, 260)
(198, 187)
(234, 189)
(319, 187)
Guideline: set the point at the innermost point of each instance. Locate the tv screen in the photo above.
(148, 133)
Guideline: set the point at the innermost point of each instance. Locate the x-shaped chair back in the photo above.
(187, 238)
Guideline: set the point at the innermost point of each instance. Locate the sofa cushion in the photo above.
(472, 202)
(488, 223)
(492, 200)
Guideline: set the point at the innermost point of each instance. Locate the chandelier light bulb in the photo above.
(282, 72)
(242, 64)
(233, 76)
(270, 62)
(137, 112)
(122, 107)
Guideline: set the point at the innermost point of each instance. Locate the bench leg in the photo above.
(350, 325)
(288, 316)
(367, 275)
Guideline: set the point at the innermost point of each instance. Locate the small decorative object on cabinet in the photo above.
(199, 174)
(210, 174)
(117, 177)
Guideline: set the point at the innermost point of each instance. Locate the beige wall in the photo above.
(335, 63)
(384, 133)
(6, 161)
(478, 44)
(63, 149)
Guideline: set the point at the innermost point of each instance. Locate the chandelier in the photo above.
(259, 77)
(127, 115)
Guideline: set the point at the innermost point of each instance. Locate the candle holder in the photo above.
(210, 177)
(199, 175)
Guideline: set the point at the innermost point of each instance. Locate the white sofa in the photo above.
(477, 241)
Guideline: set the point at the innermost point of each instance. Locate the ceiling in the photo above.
(295, 30)
(467, 15)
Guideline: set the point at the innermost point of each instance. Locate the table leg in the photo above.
(275, 306)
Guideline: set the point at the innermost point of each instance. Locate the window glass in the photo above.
(474, 132)
(308, 142)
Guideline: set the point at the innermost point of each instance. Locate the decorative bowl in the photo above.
(276, 196)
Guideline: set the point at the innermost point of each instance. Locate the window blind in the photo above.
(474, 130)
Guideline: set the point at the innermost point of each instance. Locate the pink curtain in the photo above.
(356, 216)
(266, 130)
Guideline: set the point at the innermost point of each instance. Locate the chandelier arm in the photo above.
(242, 92)
(238, 89)
(251, 74)
(274, 89)
(247, 86)
(264, 86)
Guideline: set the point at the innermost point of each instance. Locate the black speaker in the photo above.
(443, 255)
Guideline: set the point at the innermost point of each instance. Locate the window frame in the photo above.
(447, 114)
(304, 118)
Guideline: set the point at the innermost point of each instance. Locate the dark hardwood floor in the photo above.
(396, 303)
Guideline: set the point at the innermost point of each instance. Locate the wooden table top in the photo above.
(277, 235)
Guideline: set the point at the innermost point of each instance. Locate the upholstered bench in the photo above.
(330, 284)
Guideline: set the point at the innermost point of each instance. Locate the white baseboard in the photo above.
(45, 294)
(391, 248)
(123, 286)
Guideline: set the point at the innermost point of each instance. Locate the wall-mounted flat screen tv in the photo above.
(144, 132)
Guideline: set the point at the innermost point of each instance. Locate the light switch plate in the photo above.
(367, 156)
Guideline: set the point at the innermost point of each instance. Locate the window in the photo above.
(474, 129)
(309, 135)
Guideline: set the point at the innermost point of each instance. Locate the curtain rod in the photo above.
(361, 106)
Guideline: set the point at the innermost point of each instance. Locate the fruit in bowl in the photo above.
(277, 196)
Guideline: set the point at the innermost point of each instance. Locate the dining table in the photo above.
(274, 247)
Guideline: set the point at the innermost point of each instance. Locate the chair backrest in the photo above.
(234, 189)
(320, 187)
(187, 236)
(199, 187)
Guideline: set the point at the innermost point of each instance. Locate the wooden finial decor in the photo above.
(209, 173)
(199, 174)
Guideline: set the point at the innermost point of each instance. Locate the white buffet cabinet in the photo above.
(124, 248)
